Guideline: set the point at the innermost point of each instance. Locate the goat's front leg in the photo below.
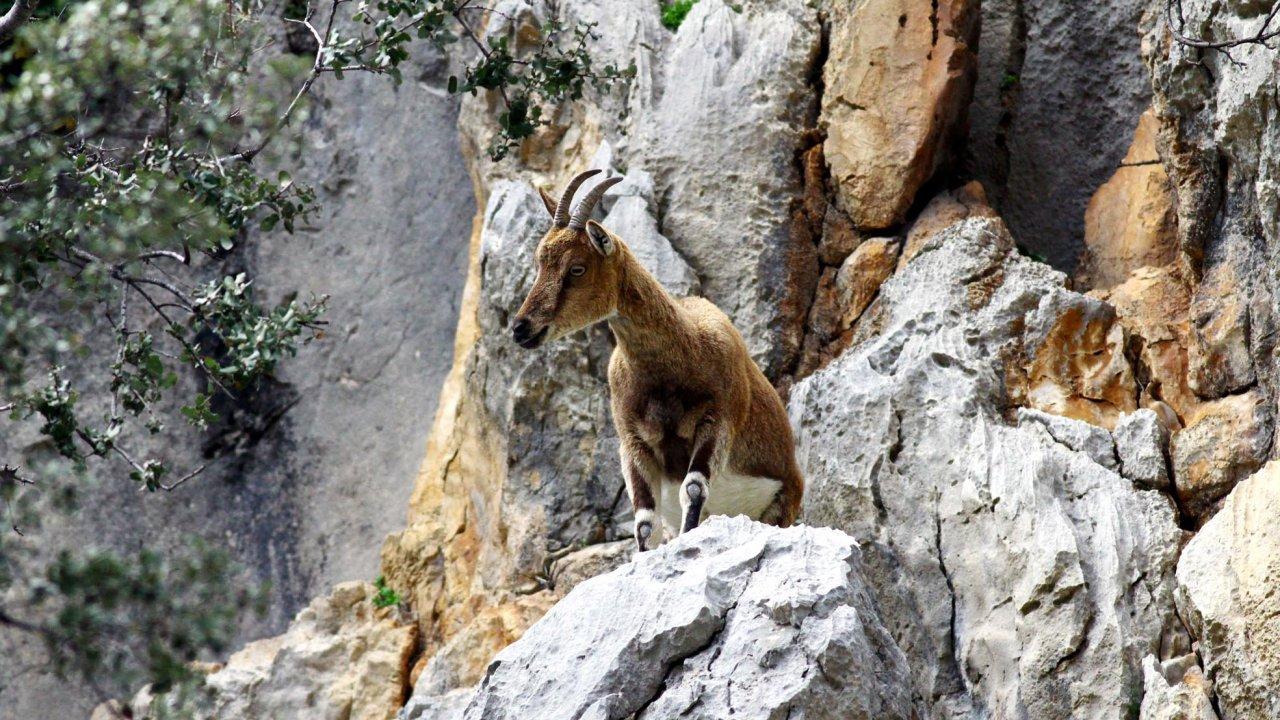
(696, 486)
(641, 502)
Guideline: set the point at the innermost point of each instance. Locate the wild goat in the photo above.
(702, 432)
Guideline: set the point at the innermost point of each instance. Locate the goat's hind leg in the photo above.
(696, 486)
(642, 503)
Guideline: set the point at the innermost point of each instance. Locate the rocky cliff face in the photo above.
(1030, 493)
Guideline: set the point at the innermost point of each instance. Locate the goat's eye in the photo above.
(577, 270)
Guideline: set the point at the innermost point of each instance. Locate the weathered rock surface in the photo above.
(340, 659)
(720, 143)
(1153, 306)
(1184, 696)
(1219, 137)
(716, 623)
(1224, 441)
(1141, 439)
(1130, 222)
(1060, 88)
(1020, 575)
(898, 80)
(1228, 585)
(943, 211)
(843, 295)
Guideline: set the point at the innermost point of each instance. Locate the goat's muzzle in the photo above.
(522, 332)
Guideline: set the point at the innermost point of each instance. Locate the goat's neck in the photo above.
(648, 325)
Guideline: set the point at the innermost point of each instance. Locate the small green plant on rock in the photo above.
(386, 597)
(674, 13)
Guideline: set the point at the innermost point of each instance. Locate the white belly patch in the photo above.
(728, 494)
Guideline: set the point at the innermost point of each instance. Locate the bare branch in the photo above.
(1262, 36)
(184, 259)
(18, 14)
(322, 43)
(184, 478)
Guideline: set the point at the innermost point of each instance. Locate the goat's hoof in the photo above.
(695, 486)
(644, 529)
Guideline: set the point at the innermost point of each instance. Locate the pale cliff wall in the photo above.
(1049, 478)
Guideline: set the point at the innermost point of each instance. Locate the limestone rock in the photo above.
(1223, 443)
(1141, 439)
(1185, 697)
(1080, 436)
(1219, 136)
(1227, 590)
(843, 295)
(449, 706)
(625, 33)
(735, 77)
(1130, 222)
(1060, 87)
(1153, 304)
(1075, 361)
(1219, 354)
(460, 661)
(942, 212)
(340, 658)
(1021, 577)
(633, 221)
(717, 622)
(839, 237)
(572, 569)
(897, 81)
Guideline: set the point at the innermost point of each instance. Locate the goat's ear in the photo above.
(600, 238)
(548, 201)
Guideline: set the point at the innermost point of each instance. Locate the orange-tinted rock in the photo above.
(842, 297)
(839, 237)
(1224, 442)
(461, 661)
(946, 209)
(1130, 222)
(897, 81)
(1152, 305)
(1079, 368)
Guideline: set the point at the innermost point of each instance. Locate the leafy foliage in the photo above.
(139, 619)
(130, 137)
(673, 13)
(557, 68)
(385, 597)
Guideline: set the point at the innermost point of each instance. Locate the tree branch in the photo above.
(18, 14)
(1263, 35)
(322, 43)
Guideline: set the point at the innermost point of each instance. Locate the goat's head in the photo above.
(578, 270)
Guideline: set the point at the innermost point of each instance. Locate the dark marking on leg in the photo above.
(643, 505)
(695, 488)
(695, 494)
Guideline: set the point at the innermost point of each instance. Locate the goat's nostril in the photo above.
(520, 329)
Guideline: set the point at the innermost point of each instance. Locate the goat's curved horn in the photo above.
(561, 218)
(583, 211)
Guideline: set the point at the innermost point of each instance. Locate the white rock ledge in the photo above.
(735, 618)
